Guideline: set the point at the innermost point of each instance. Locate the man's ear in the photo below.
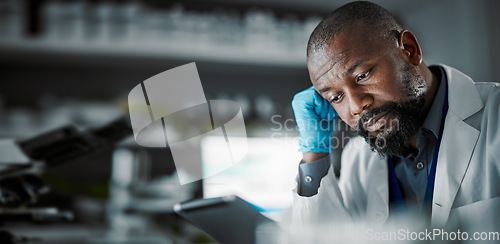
(409, 47)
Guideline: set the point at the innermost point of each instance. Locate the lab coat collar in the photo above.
(461, 85)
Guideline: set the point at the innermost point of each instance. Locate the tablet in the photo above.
(227, 219)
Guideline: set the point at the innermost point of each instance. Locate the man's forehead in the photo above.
(322, 61)
(342, 51)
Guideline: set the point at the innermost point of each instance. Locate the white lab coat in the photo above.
(467, 186)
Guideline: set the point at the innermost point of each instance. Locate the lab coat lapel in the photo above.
(457, 145)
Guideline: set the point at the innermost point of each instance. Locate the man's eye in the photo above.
(335, 98)
(363, 76)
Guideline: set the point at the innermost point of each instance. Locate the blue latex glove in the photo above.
(315, 119)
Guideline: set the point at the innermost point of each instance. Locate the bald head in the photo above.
(375, 18)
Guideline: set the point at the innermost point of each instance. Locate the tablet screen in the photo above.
(265, 177)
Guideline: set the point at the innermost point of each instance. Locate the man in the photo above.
(428, 136)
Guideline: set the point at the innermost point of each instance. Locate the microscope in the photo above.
(23, 162)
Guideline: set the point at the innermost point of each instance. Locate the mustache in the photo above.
(372, 113)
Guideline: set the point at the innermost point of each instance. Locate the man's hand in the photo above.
(315, 119)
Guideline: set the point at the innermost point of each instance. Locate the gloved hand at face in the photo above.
(315, 119)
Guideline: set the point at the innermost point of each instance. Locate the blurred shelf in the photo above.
(16, 49)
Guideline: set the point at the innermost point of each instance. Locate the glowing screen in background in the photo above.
(265, 177)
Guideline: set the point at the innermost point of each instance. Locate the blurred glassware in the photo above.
(64, 20)
(120, 223)
(11, 21)
(260, 29)
(264, 107)
(131, 26)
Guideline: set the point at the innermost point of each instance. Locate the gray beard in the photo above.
(409, 116)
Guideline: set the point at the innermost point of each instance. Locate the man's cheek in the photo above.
(349, 120)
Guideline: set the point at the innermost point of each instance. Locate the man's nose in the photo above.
(358, 101)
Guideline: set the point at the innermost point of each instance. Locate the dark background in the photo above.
(74, 62)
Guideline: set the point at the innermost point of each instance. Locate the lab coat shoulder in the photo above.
(487, 118)
(490, 116)
(468, 170)
(482, 179)
(477, 203)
